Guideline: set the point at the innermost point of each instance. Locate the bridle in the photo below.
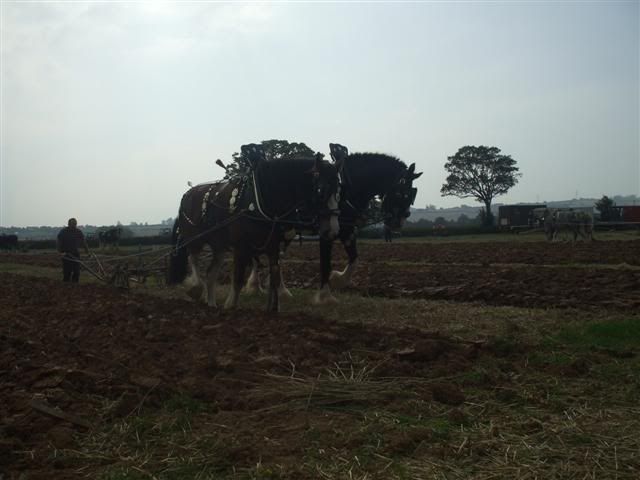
(322, 191)
(399, 191)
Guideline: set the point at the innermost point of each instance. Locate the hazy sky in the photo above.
(108, 109)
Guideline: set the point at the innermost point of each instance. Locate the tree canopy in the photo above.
(480, 172)
(274, 150)
(606, 207)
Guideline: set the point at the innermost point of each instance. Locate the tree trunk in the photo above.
(488, 217)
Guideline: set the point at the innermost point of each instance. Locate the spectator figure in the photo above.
(70, 239)
(388, 234)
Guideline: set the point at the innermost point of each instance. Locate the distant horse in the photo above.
(252, 214)
(364, 176)
(110, 236)
(8, 242)
(573, 222)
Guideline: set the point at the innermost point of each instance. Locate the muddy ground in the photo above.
(533, 274)
(77, 358)
(72, 356)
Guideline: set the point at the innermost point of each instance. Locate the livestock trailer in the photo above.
(630, 213)
(513, 217)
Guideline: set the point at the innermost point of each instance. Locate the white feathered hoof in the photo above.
(253, 289)
(230, 304)
(253, 286)
(324, 297)
(338, 280)
(211, 302)
(195, 292)
(284, 292)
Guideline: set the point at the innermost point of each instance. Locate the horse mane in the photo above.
(271, 175)
(277, 169)
(372, 173)
(375, 159)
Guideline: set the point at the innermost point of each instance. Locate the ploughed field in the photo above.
(392, 383)
(539, 275)
(532, 274)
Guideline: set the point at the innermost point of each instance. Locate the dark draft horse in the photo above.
(252, 214)
(364, 176)
(8, 242)
(110, 236)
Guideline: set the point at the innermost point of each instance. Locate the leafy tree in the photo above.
(481, 217)
(481, 173)
(281, 149)
(274, 150)
(606, 207)
(464, 219)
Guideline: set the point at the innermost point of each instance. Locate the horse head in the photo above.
(253, 154)
(397, 201)
(326, 195)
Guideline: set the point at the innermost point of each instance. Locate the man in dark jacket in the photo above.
(70, 239)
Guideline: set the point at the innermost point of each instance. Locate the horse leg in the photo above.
(240, 261)
(282, 288)
(254, 285)
(195, 285)
(273, 304)
(212, 277)
(324, 295)
(343, 279)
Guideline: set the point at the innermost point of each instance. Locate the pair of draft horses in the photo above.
(260, 210)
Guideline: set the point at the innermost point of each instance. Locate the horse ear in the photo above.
(254, 154)
(338, 152)
(318, 162)
(411, 170)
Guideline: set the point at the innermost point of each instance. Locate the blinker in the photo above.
(414, 192)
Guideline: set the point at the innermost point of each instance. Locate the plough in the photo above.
(121, 273)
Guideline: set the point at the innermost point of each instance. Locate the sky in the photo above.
(108, 109)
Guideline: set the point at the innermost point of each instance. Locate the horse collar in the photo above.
(238, 193)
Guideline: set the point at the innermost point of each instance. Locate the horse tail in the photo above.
(178, 258)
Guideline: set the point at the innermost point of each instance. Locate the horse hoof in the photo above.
(195, 292)
(324, 299)
(286, 293)
(337, 280)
